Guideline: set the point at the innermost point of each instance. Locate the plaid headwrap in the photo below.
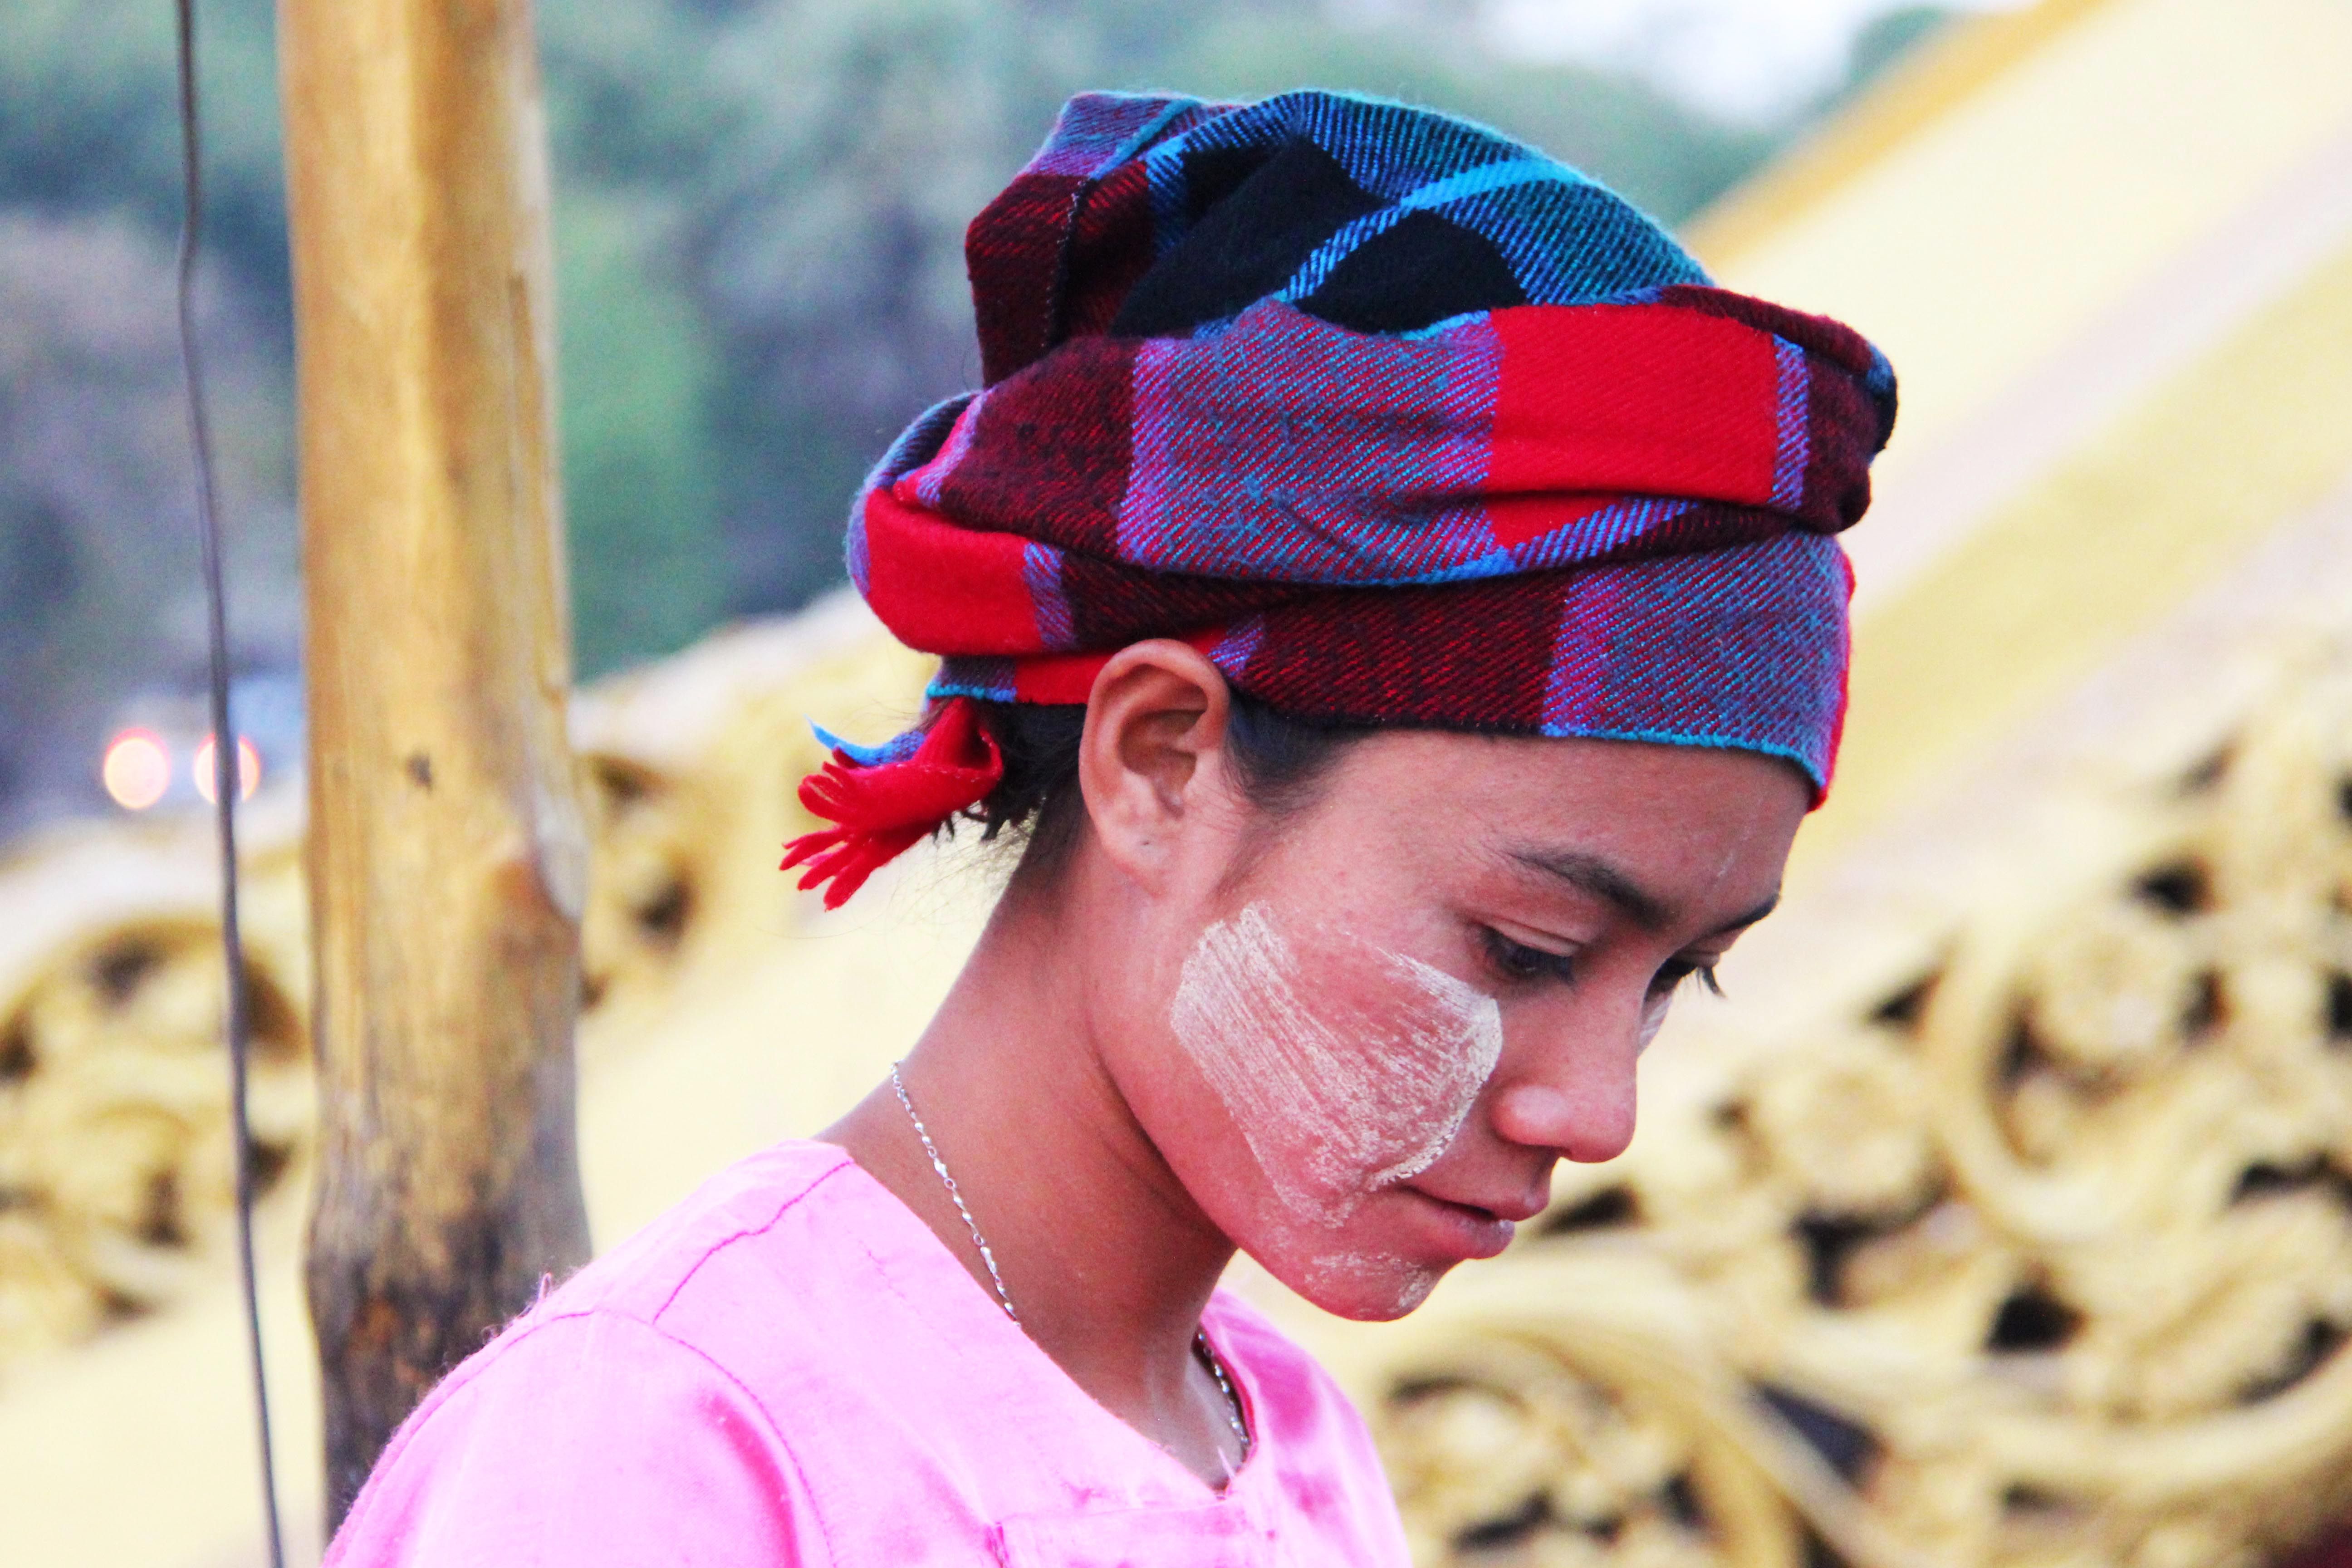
(1397, 420)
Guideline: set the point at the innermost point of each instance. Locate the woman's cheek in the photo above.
(1343, 1080)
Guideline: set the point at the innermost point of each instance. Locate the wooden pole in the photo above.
(447, 853)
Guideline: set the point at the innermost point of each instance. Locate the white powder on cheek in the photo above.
(1437, 1070)
(1337, 1096)
(1239, 1013)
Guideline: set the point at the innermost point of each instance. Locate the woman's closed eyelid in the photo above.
(1564, 938)
(1522, 961)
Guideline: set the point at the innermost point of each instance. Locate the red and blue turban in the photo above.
(1399, 421)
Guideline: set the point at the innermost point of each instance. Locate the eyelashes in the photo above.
(1519, 963)
(1680, 969)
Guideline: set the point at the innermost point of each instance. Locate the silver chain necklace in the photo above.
(1201, 1345)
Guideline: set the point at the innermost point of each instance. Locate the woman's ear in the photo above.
(1155, 731)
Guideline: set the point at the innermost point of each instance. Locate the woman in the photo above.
(1398, 599)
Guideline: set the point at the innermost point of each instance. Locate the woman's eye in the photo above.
(1518, 961)
(1674, 974)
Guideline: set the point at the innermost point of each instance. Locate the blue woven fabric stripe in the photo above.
(1594, 534)
(1577, 244)
(1164, 176)
(854, 554)
(897, 749)
(1387, 148)
(1574, 243)
(1099, 131)
(1809, 758)
(984, 679)
(1788, 465)
(955, 441)
(1143, 134)
(1325, 495)
(1738, 647)
(1232, 651)
(1041, 572)
(1484, 180)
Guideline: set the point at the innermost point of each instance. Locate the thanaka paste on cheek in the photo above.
(1336, 1095)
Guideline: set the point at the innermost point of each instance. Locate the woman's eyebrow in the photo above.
(1740, 923)
(1613, 885)
(1591, 875)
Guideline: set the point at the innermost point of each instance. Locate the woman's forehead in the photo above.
(1666, 834)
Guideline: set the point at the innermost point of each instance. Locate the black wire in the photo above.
(227, 753)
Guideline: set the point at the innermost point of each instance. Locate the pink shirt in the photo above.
(789, 1368)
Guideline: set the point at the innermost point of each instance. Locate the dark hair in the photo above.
(1278, 758)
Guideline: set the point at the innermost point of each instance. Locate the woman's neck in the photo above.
(1106, 1257)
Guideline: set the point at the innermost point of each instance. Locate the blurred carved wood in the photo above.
(448, 860)
(115, 1160)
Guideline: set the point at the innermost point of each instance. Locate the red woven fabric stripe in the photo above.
(1070, 678)
(1109, 248)
(1845, 426)
(1070, 236)
(1643, 399)
(1010, 251)
(966, 586)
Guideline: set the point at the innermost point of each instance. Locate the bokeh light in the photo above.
(136, 769)
(249, 769)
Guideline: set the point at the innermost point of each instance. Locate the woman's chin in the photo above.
(1368, 1288)
(1384, 1259)
(1367, 1278)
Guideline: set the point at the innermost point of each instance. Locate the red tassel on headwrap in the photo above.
(882, 808)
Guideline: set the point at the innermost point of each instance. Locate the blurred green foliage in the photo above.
(88, 122)
(759, 220)
(639, 377)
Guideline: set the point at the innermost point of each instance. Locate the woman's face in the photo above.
(1367, 1028)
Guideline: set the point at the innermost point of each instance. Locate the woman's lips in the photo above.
(1469, 1231)
(1525, 1206)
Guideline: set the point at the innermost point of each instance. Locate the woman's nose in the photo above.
(1574, 1095)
